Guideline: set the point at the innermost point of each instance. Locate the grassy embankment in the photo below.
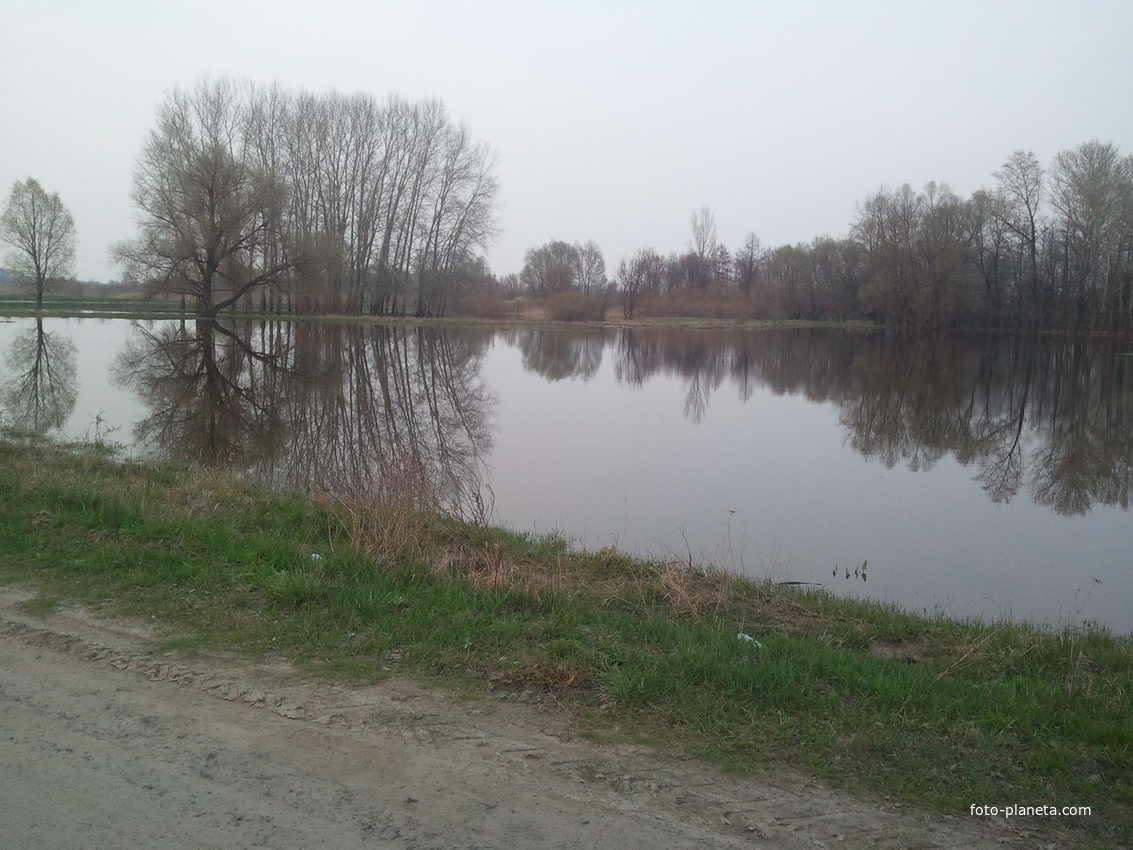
(936, 712)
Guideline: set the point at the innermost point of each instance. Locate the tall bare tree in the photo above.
(460, 218)
(1092, 193)
(42, 236)
(749, 261)
(345, 202)
(1021, 193)
(633, 280)
(209, 214)
(700, 261)
(590, 273)
(703, 242)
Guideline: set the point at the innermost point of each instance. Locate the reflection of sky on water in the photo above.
(608, 465)
(769, 485)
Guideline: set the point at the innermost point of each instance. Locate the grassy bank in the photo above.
(936, 712)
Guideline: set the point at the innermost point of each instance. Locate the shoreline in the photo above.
(934, 711)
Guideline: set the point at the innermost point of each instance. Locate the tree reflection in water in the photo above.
(213, 391)
(557, 354)
(1053, 417)
(344, 409)
(40, 390)
(361, 407)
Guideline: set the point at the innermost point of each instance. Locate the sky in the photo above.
(611, 121)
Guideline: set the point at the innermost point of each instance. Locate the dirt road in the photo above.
(106, 745)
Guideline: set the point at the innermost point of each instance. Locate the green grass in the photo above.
(22, 305)
(940, 713)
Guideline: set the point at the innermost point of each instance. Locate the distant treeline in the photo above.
(1043, 248)
(13, 285)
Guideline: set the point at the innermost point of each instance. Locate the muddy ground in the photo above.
(105, 744)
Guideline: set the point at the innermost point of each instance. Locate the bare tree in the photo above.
(700, 261)
(790, 277)
(631, 282)
(345, 202)
(41, 232)
(461, 218)
(209, 214)
(749, 261)
(834, 264)
(1021, 190)
(1092, 193)
(886, 228)
(949, 289)
(590, 273)
(703, 242)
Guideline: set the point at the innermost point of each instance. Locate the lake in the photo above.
(977, 476)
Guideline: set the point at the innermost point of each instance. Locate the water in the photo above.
(978, 477)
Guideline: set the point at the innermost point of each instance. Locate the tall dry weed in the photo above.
(389, 520)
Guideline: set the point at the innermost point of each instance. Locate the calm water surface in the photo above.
(979, 477)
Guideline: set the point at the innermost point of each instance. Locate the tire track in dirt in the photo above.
(110, 745)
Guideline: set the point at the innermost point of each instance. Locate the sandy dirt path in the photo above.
(104, 744)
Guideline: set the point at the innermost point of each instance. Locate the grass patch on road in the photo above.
(940, 713)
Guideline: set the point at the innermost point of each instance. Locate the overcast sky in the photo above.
(612, 121)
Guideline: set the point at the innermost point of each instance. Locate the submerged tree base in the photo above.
(938, 712)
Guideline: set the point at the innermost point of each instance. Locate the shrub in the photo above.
(482, 305)
(690, 303)
(577, 307)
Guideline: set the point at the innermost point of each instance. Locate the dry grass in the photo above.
(709, 304)
(398, 524)
(390, 522)
(482, 305)
(578, 307)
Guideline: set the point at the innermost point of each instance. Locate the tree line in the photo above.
(275, 200)
(308, 202)
(1042, 248)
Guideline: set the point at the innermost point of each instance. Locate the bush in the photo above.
(482, 305)
(689, 303)
(577, 307)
